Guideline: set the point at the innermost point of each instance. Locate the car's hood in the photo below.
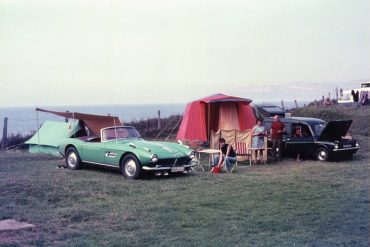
(162, 149)
(334, 130)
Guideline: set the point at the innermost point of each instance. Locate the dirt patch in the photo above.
(9, 224)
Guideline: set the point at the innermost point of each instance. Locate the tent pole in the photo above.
(114, 123)
(234, 137)
(74, 124)
(208, 122)
(38, 132)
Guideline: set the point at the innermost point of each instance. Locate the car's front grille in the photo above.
(174, 162)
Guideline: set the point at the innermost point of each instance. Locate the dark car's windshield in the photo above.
(318, 128)
(119, 133)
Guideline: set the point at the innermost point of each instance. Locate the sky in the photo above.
(88, 52)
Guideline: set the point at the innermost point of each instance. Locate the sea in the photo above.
(25, 120)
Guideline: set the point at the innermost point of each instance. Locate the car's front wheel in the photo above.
(73, 160)
(322, 154)
(131, 167)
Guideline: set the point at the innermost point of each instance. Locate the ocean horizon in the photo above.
(25, 120)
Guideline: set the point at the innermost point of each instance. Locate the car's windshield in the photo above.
(318, 128)
(119, 133)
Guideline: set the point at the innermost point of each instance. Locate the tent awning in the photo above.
(93, 122)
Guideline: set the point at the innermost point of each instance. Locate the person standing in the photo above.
(298, 134)
(258, 135)
(227, 156)
(277, 130)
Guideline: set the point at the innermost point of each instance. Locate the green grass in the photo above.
(282, 204)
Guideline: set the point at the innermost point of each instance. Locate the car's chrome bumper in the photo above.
(164, 168)
(346, 149)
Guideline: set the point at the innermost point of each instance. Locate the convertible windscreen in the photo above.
(119, 133)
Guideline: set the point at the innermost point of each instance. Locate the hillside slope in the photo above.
(359, 115)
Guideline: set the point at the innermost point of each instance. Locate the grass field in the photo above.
(282, 204)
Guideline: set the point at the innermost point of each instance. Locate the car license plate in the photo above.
(347, 146)
(177, 169)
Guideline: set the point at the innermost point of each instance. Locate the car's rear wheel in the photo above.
(322, 154)
(73, 160)
(131, 167)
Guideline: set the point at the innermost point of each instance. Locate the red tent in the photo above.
(214, 113)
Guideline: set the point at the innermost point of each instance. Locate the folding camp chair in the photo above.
(241, 149)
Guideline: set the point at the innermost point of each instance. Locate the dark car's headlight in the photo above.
(336, 146)
(154, 158)
(357, 144)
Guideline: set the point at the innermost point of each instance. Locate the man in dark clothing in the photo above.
(277, 130)
(227, 157)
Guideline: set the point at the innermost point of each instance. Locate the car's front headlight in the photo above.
(192, 155)
(336, 146)
(357, 144)
(154, 158)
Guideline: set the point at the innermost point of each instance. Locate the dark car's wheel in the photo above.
(131, 167)
(322, 154)
(73, 160)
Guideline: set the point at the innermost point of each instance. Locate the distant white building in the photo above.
(356, 94)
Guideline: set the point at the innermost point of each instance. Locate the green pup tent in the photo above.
(48, 137)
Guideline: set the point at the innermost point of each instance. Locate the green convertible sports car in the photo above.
(123, 148)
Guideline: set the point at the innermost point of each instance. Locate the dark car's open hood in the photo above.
(334, 130)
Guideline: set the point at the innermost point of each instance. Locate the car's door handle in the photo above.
(110, 154)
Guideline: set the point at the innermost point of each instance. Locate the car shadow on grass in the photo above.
(144, 176)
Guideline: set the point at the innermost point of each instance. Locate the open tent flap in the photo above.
(228, 117)
(48, 137)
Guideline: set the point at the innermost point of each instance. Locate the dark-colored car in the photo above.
(318, 139)
(269, 110)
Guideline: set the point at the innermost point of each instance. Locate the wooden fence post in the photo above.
(159, 120)
(5, 134)
(282, 104)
